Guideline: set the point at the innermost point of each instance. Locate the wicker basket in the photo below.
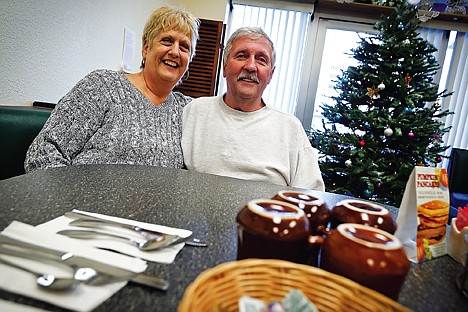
(219, 288)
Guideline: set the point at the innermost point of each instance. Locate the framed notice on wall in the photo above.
(128, 51)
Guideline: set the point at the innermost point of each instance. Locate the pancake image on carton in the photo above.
(433, 217)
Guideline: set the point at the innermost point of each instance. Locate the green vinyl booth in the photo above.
(19, 125)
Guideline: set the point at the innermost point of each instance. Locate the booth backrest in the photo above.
(458, 171)
(19, 125)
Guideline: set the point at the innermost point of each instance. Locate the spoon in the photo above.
(145, 245)
(49, 281)
(87, 275)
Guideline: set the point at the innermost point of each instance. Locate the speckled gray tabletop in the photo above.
(204, 204)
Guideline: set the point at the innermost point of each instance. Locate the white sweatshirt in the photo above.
(265, 145)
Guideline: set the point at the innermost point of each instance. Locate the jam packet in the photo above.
(462, 218)
(457, 246)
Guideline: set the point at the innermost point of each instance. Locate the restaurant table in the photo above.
(203, 203)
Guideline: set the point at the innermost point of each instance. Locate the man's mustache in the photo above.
(248, 76)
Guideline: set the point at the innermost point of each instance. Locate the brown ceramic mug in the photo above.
(272, 229)
(314, 208)
(369, 256)
(362, 212)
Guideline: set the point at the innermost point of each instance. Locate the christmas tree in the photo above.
(386, 118)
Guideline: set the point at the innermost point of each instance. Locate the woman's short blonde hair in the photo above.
(168, 18)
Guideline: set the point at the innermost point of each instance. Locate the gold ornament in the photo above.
(437, 105)
(407, 80)
(373, 92)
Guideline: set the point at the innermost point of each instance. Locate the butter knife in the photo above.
(68, 258)
(81, 216)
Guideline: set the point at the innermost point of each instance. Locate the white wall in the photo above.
(47, 46)
(205, 9)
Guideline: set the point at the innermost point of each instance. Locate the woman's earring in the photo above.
(186, 75)
(142, 63)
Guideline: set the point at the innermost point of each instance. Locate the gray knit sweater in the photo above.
(104, 119)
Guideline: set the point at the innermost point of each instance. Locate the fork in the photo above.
(85, 220)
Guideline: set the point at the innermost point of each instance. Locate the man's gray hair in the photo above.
(254, 33)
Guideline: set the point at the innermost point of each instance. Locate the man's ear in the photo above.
(271, 74)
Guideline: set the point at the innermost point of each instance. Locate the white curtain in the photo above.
(457, 82)
(288, 31)
(454, 78)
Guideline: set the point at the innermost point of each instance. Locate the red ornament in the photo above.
(362, 143)
(439, 159)
(411, 134)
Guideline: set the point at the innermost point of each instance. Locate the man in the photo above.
(237, 135)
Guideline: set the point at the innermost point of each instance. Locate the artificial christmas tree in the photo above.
(386, 118)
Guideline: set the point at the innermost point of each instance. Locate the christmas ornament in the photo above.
(362, 143)
(348, 163)
(408, 110)
(388, 132)
(378, 184)
(413, 2)
(407, 80)
(439, 159)
(373, 93)
(367, 193)
(411, 134)
(381, 86)
(401, 26)
(437, 105)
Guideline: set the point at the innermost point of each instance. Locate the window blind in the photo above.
(287, 29)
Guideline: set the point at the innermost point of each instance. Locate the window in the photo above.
(333, 41)
(336, 57)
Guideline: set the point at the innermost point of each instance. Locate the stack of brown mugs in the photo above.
(353, 239)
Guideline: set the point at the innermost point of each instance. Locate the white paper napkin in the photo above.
(10, 306)
(165, 255)
(81, 298)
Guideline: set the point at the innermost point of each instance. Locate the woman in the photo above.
(114, 117)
